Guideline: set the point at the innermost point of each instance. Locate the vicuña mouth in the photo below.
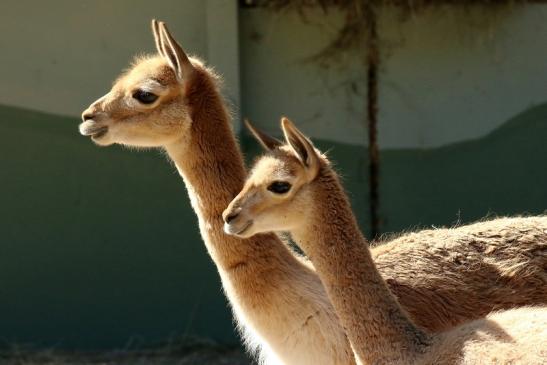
(245, 227)
(93, 130)
(99, 133)
(229, 229)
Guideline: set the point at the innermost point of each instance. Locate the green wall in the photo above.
(100, 244)
(502, 173)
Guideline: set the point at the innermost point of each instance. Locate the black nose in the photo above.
(230, 217)
(87, 116)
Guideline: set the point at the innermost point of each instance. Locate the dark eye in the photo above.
(145, 97)
(279, 187)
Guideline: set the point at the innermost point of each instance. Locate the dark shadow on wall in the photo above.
(503, 173)
(98, 245)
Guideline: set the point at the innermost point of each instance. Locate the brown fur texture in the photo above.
(471, 270)
(318, 214)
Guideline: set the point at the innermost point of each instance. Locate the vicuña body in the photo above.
(172, 102)
(294, 189)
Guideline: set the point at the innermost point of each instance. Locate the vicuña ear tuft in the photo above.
(302, 147)
(173, 52)
(268, 142)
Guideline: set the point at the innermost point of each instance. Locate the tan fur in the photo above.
(467, 269)
(279, 303)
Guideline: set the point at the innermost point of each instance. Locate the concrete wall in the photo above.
(100, 245)
(447, 75)
(58, 57)
(449, 79)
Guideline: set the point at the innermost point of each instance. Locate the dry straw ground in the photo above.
(198, 353)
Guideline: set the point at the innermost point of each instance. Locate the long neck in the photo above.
(378, 328)
(261, 278)
(213, 170)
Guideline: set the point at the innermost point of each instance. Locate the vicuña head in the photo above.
(145, 107)
(276, 195)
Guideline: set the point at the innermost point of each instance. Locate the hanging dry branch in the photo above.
(353, 32)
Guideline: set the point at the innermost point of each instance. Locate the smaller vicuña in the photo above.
(293, 188)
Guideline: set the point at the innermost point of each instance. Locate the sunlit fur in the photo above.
(318, 214)
(132, 123)
(279, 303)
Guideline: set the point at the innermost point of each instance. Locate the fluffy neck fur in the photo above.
(213, 170)
(378, 328)
(279, 302)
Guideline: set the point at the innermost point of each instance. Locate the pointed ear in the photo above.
(268, 142)
(174, 53)
(302, 147)
(157, 36)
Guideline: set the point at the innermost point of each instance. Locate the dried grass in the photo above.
(174, 353)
